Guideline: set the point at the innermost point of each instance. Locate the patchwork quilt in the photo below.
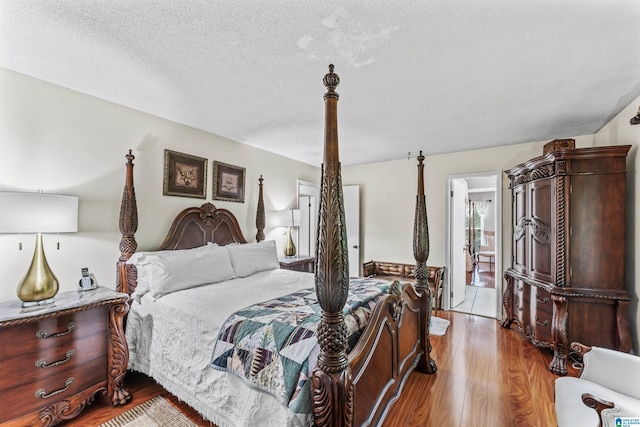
(273, 345)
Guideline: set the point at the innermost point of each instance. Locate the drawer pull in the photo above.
(542, 301)
(518, 307)
(543, 324)
(41, 363)
(42, 333)
(43, 395)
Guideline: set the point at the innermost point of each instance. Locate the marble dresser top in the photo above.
(13, 310)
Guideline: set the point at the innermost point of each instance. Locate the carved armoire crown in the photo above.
(567, 277)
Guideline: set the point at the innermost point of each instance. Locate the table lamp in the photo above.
(37, 213)
(288, 218)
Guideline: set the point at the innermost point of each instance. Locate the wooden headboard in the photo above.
(191, 228)
(195, 227)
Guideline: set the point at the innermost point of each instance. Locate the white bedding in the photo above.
(171, 339)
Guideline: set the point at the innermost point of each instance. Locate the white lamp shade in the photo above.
(285, 218)
(38, 213)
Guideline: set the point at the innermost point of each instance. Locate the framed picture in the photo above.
(184, 175)
(228, 182)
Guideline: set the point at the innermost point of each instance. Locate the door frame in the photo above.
(497, 177)
(311, 190)
(456, 216)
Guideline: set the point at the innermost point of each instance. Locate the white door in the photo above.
(308, 196)
(305, 243)
(351, 195)
(458, 242)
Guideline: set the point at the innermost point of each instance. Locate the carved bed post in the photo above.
(128, 227)
(421, 254)
(332, 386)
(260, 222)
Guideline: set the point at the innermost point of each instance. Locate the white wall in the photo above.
(61, 141)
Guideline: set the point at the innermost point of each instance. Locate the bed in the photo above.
(172, 337)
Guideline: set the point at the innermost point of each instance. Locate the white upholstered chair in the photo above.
(607, 389)
(488, 250)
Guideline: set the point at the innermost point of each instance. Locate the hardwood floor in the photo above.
(487, 376)
(482, 276)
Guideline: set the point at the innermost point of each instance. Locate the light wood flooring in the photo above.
(487, 376)
(481, 296)
(483, 276)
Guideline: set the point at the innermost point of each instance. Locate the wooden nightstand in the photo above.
(304, 264)
(56, 358)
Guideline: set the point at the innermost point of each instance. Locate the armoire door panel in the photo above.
(597, 219)
(540, 196)
(539, 230)
(520, 253)
(520, 225)
(540, 259)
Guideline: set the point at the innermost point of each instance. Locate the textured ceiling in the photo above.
(438, 76)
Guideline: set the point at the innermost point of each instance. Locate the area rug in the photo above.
(438, 326)
(156, 412)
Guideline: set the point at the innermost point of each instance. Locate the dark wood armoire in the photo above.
(567, 277)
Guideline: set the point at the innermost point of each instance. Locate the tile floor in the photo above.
(478, 301)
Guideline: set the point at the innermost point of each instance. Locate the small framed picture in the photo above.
(184, 175)
(228, 182)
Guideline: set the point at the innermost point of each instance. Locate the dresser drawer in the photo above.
(48, 333)
(28, 397)
(543, 301)
(36, 364)
(54, 358)
(521, 300)
(542, 325)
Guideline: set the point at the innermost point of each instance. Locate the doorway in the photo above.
(473, 255)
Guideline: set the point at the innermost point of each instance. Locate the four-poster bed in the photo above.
(345, 388)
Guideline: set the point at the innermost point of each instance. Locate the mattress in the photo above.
(171, 339)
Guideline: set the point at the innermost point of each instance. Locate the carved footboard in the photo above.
(387, 353)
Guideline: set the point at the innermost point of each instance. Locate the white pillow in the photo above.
(138, 257)
(149, 269)
(142, 280)
(188, 269)
(249, 258)
(146, 273)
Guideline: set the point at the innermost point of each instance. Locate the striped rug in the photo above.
(156, 412)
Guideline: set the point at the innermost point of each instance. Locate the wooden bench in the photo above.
(394, 270)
